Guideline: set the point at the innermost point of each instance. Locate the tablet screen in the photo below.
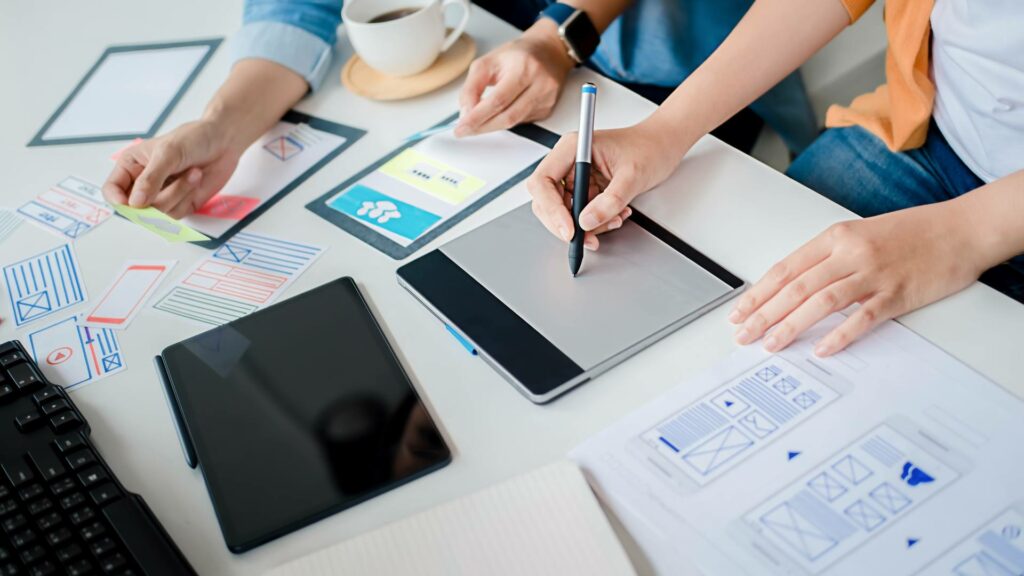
(298, 411)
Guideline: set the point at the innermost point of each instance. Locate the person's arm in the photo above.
(282, 51)
(890, 264)
(527, 74)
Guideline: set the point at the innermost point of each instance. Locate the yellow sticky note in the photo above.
(435, 178)
(160, 224)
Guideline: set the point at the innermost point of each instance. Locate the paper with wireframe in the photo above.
(72, 355)
(69, 209)
(133, 285)
(245, 274)
(44, 284)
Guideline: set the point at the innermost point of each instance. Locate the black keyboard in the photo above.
(62, 510)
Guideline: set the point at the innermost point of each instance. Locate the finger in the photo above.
(871, 313)
(163, 163)
(517, 112)
(779, 275)
(609, 204)
(498, 99)
(787, 299)
(175, 199)
(481, 75)
(614, 223)
(119, 182)
(831, 298)
(548, 193)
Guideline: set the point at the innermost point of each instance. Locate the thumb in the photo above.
(607, 205)
(162, 164)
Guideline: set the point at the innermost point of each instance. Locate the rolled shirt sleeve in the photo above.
(856, 8)
(297, 34)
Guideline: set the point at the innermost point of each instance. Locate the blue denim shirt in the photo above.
(658, 42)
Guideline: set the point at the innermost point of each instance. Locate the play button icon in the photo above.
(59, 356)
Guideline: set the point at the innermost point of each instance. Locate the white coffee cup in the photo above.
(406, 45)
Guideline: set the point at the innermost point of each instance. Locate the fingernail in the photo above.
(564, 233)
(822, 350)
(615, 225)
(460, 131)
(590, 244)
(735, 316)
(771, 343)
(194, 176)
(629, 211)
(463, 111)
(743, 336)
(588, 221)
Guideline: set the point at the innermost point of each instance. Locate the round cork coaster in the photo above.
(358, 77)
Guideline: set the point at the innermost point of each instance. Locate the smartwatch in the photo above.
(575, 29)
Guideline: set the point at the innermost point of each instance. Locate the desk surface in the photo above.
(727, 205)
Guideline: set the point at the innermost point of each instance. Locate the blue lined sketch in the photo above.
(807, 399)
(266, 253)
(42, 285)
(995, 548)
(732, 422)
(882, 451)
(844, 501)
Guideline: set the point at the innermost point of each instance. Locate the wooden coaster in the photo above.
(358, 77)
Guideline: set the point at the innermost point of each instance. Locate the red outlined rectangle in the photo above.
(235, 281)
(74, 206)
(126, 295)
(228, 207)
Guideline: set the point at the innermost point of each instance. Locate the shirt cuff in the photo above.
(290, 46)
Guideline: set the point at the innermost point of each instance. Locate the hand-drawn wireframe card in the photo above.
(427, 185)
(9, 222)
(133, 285)
(69, 209)
(128, 93)
(44, 284)
(72, 355)
(278, 162)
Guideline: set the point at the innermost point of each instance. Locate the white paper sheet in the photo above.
(127, 93)
(896, 454)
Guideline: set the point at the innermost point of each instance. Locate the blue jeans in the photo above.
(855, 169)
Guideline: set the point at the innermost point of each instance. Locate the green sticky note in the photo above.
(160, 224)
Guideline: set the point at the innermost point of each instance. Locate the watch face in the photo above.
(581, 35)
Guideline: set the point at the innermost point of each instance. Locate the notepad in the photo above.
(543, 522)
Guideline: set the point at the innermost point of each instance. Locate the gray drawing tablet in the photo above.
(505, 288)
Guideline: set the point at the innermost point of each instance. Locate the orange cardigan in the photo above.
(898, 112)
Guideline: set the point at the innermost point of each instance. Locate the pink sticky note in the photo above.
(228, 207)
(117, 154)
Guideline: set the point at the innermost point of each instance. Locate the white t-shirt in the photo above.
(978, 68)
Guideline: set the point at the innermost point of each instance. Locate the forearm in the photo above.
(992, 219)
(255, 96)
(600, 12)
(772, 40)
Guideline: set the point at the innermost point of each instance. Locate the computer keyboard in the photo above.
(62, 510)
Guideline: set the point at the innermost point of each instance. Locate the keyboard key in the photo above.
(72, 501)
(102, 547)
(53, 406)
(105, 494)
(79, 568)
(81, 459)
(59, 537)
(7, 392)
(10, 570)
(44, 569)
(49, 520)
(11, 358)
(29, 420)
(64, 422)
(110, 565)
(4, 491)
(23, 539)
(79, 517)
(68, 443)
(92, 531)
(47, 463)
(7, 506)
(69, 553)
(14, 523)
(30, 492)
(17, 472)
(5, 554)
(33, 554)
(25, 377)
(62, 486)
(39, 506)
(93, 476)
(45, 395)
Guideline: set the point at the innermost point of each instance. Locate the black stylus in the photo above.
(581, 183)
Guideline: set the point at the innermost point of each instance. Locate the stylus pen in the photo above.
(581, 184)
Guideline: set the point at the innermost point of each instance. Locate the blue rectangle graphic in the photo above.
(372, 207)
(44, 284)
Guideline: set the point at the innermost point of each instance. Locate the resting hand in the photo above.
(527, 75)
(176, 173)
(624, 163)
(889, 264)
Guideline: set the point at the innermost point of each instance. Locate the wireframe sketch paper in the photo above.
(69, 209)
(545, 522)
(248, 272)
(885, 458)
(44, 284)
(73, 355)
(9, 222)
(128, 93)
(133, 285)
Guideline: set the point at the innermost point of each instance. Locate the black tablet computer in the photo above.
(297, 411)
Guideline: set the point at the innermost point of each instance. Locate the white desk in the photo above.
(740, 212)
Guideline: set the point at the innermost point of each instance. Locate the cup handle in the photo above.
(461, 27)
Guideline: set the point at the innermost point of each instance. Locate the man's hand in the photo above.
(889, 264)
(526, 76)
(176, 173)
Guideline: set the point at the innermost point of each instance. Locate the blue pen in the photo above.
(581, 184)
